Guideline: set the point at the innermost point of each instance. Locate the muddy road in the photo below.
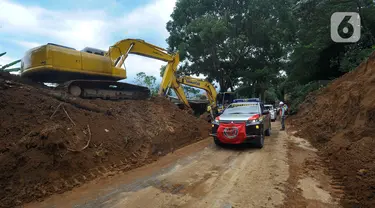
(285, 173)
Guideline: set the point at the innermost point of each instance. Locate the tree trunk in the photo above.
(231, 88)
(255, 86)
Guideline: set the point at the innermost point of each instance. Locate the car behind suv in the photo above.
(242, 122)
(272, 111)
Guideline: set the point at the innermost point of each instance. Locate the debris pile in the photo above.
(50, 142)
(340, 121)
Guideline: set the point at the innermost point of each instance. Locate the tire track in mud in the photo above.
(221, 177)
(200, 175)
(164, 183)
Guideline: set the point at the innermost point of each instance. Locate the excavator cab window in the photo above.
(93, 51)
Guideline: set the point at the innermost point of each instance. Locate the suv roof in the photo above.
(246, 100)
(245, 103)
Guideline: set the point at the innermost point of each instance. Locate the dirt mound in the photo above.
(51, 142)
(340, 121)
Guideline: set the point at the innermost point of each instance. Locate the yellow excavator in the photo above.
(176, 82)
(91, 73)
(94, 73)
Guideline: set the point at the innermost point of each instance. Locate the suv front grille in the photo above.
(230, 121)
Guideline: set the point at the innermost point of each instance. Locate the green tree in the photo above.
(313, 55)
(227, 40)
(162, 70)
(247, 43)
(190, 92)
(6, 66)
(147, 81)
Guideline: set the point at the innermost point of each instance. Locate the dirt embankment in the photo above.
(340, 121)
(50, 143)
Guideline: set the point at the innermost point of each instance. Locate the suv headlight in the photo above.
(216, 121)
(252, 121)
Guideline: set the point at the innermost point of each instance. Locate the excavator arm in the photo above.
(120, 51)
(201, 84)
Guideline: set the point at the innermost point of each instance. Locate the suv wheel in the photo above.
(259, 143)
(217, 142)
(268, 132)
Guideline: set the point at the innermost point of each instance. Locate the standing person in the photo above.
(283, 109)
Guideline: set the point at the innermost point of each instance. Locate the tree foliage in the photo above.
(314, 56)
(267, 48)
(190, 92)
(230, 41)
(147, 81)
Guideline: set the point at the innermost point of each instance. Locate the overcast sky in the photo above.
(79, 23)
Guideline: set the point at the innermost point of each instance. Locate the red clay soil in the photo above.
(340, 121)
(50, 143)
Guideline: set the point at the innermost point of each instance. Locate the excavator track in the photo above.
(104, 89)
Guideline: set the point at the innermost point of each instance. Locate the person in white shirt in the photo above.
(283, 110)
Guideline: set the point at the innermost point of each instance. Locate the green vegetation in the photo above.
(150, 81)
(267, 48)
(147, 81)
(6, 66)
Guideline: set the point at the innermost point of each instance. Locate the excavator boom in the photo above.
(120, 51)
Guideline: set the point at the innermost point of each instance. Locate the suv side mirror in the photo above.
(265, 112)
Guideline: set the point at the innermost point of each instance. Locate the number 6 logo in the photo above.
(345, 27)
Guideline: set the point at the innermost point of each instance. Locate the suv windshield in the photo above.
(237, 108)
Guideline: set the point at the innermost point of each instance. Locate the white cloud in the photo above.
(6, 60)
(135, 64)
(84, 27)
(15, 16)
(26, 44)
(94, 28)
(152, 17)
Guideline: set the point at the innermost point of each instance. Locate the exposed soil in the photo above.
(308, 185)
(199, 175)
(51, 142)
(340, 121)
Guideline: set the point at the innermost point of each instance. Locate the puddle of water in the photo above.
(303, 143)
(310, 190)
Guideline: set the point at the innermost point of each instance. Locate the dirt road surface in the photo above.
(285, 173)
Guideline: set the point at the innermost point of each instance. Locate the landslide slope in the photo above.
(340, 121)
(50, 142)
